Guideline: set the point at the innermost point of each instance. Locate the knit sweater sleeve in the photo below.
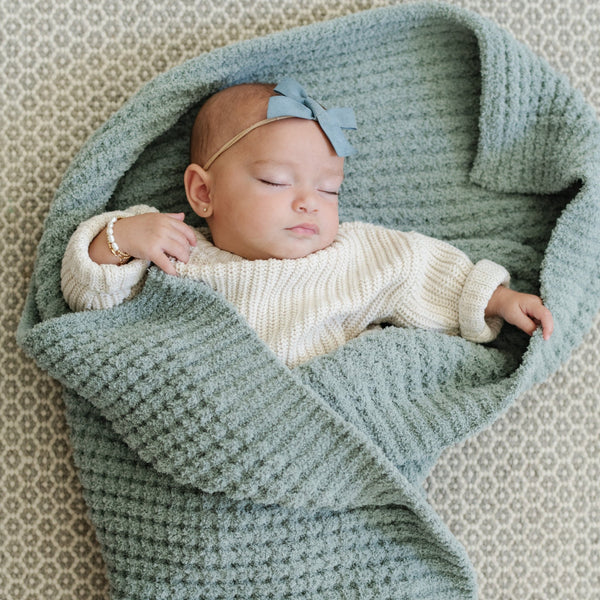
(440, 288)
(87, 285)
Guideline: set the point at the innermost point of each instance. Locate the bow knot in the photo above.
(293, 101)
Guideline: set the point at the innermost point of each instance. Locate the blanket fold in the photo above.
(211, 469)
(216, 433)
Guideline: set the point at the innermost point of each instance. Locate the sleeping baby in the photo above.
(267, 164)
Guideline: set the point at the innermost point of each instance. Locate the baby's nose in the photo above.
(306, 202)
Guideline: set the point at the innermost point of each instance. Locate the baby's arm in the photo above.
(525, 311)
(100, 281)
(152, 236)
(443, 290)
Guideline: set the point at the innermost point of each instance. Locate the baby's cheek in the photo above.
(332, 225)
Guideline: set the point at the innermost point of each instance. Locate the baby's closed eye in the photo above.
(273, 183)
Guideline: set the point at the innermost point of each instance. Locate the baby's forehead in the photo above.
(290, 144)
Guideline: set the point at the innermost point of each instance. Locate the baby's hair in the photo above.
(225, 114)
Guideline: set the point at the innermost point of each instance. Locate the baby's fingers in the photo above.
(524, 322)
(183, 229)
(536, 313)
(163, 262)
(175, 247)
(179, 216)
(542, 317)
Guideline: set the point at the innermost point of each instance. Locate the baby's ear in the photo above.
(197, 190)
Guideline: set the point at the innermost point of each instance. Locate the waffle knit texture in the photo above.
(210, 468)
(305, 307)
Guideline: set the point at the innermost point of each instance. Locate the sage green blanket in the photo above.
(213, 471)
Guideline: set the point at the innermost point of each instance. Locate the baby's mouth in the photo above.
(304, 229)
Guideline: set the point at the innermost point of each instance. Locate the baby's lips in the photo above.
(305, 228)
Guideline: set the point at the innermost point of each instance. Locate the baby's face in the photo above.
(274, 194)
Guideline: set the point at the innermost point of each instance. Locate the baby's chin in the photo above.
(290, 246)
(283, 254)
(294, 255)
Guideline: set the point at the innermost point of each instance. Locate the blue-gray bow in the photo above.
(295, 102)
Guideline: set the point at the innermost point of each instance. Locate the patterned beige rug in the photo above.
(524, 496)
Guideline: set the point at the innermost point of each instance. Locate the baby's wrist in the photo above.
(122, 256)
(497, 302)
(100, 251)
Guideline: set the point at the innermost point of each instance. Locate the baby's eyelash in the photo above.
(272, 183)
(278, 184)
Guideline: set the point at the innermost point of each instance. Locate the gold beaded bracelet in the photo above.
(112, 245)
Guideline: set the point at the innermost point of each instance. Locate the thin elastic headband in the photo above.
(238, 137)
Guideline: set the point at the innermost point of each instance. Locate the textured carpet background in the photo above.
(524, 496)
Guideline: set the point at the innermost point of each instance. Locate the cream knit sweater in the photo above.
(305, 307)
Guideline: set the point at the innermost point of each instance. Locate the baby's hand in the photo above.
(525, 311)
(152, 236)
